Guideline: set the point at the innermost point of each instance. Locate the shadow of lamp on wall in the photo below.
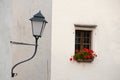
(38, 23)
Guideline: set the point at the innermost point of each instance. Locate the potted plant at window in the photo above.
(84, 55)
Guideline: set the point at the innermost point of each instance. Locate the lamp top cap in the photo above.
(39, 14)
(38, 17)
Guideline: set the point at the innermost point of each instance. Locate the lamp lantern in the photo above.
(38, 24)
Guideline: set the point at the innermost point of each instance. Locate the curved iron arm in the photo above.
(36, 44)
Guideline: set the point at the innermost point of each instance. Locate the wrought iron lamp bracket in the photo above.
(36, 44)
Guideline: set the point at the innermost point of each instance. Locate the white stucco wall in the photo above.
(106, 43)
(5, 24)
(39, 67)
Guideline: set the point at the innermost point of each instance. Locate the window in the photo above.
(83, 36)
(82, 39)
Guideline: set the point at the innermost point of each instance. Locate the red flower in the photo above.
(85, 49)
(76, 50)
(71, 59)
(90, 51)
(88, 57)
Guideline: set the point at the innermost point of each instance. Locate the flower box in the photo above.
(85, 60)
(84, 55)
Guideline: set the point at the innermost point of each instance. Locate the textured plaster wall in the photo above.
(5, 24)
(106, 41)
(39, 67)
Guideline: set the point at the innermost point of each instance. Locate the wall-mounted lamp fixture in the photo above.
(38, 24)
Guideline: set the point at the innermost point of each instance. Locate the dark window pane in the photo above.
(86, 34)
(77, 46)
(77, 33)
(86, 40)
(77, 40)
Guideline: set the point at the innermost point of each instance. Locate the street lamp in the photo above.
(38, 24)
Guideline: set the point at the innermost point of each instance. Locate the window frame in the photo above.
(86, 28)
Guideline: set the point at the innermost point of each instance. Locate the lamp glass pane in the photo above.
(36, 26)
(43, 27)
